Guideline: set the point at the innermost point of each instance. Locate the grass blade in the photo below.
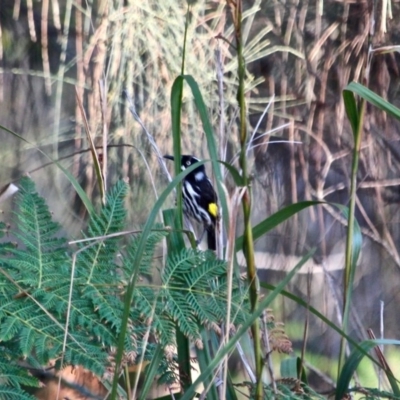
(274, 220)
(372, 98)
(151, 372)
(353, 361)
(212, 147)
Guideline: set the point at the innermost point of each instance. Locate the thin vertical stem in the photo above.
(44, 46)
(222, 139)
(61, 72)
(80, 77)
(185, 40)
(1, 63)
(31, 21)
(248, 245)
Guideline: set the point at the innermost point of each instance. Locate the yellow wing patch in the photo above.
(213, 209)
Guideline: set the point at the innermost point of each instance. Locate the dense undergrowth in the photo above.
(113, 299)
(64, 303)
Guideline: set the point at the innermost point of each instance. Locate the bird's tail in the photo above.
(211, 238)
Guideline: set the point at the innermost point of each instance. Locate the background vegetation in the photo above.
(299, 56)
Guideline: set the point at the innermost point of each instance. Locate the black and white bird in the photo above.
(200, 201)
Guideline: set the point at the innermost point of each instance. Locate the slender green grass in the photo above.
(351, 364)
(355, 113)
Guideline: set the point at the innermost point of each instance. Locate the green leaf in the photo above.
(151, 372)
(176, 109)
(9, 393)
(353, 361)
(204, 358)
(40, 236)
(274, 220)
(237, 178)
(175, 238)
(351, 109)
(100, 253)
(372, 98)
(357, 240)
(208, 130)
(212, 146)
(176, 106)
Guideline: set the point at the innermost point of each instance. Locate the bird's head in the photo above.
(187, 161)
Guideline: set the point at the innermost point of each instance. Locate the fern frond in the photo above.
(99, 255)
(10, 393)
(148, 310)
(179, 263)
(181, 313)
(146, 267)
(13, 377)
(5, 247)
(200, 278)
(107, 303)
(145, 303)
(195, 291)
(168, 372)
(44, 249)
(97, 278)
(82, 314)
(36, 293)
(35, 319)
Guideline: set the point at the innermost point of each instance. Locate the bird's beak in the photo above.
(169, 157)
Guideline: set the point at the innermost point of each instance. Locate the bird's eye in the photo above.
(187, 162)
